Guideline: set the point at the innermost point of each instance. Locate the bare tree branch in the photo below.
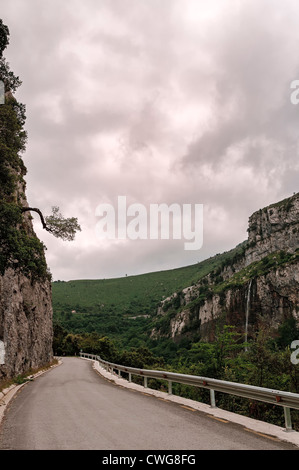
(35, 209)
(57, 224)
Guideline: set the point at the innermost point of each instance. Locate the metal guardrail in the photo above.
(287, 400)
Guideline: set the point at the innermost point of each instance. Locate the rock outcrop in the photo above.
(26, 331)
(25, 284)
(25, 323)
(273, 228)
(258, 287)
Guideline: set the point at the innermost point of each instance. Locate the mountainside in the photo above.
(205, 314)
(25, 285)
(26, 330)
(254, 283)
(118, 307)
(258, 287)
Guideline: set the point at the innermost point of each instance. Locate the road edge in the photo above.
(250, 424)
(8, 393)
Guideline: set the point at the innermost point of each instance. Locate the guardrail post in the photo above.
(212, 398)
(145, 382)
(287, 419)
(130, 377)
(169, 387)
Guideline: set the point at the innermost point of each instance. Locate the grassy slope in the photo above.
(106, 305)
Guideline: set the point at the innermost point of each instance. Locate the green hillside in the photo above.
(122, 308)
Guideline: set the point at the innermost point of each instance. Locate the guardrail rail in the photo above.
(287, 400)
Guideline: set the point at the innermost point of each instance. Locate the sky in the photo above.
(183, 102)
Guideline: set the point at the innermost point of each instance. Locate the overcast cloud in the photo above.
(169, 101)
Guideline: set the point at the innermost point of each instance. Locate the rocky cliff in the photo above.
(25, 286)
(257, 287)
(25, 324)
(273, 228)
(25, 302)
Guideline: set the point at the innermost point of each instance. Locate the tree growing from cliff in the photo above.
(57, 224)
(19, 247)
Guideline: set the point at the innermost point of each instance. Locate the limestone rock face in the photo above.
(25, 288)
(26, 315)
(268, 301)
(260, 288)
(25, 323)
(273, 228)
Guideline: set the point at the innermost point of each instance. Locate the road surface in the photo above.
(71, 407)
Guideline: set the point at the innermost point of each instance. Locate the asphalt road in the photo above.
(72, 408)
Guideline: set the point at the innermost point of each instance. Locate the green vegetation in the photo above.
(241, 278)
(123, 308)
(258, 268)
(19, 248)
(266, 363)
(56, 224)
(114, 318)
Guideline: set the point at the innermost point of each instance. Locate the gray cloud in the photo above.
(173, 101)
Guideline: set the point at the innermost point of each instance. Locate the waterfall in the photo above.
(247, 311)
